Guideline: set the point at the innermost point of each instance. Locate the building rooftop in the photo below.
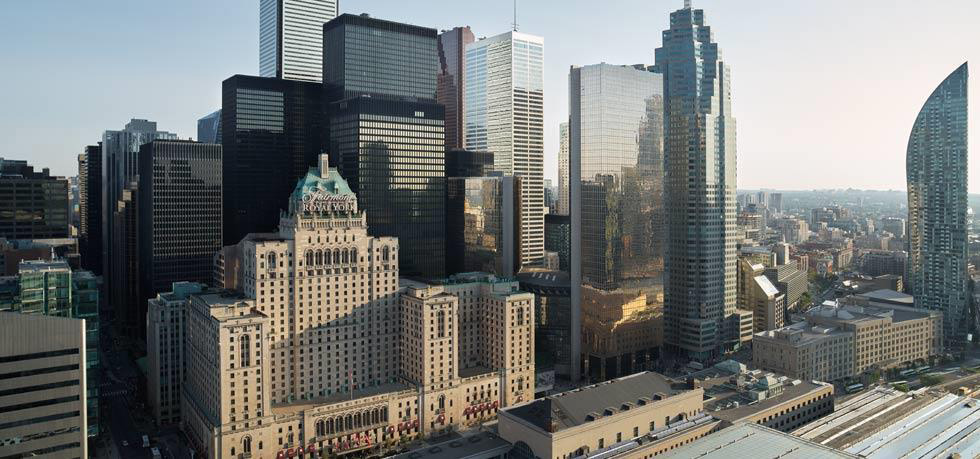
(889, 296)
(727, 396)
(43, 265)
(479, 444)
(753, 440)
(944, 428)
(577, 407)
(802, 333)
(766, 285)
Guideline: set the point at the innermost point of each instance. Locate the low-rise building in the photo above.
(857, 333)
(630, 417)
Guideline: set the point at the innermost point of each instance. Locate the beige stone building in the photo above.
(321, 350)
(757, 293)
(855, 334)
(642, 406)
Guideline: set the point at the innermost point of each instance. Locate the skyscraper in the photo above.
(482, 224)
(387, 132)
(452, 62)
(179, 215)
(209, 128)
(119, 170)
(563, 206)
(33, 205)
(271, 134)
(503, 102)
(700, 189)
(290, 40)
(90, 208)
(617, 207)
(937, 176)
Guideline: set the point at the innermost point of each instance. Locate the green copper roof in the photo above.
(334, 184)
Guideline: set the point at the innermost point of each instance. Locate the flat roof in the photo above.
(753, 440)
(940, 429)
(745, 409)
(477, 445)
(570, 409)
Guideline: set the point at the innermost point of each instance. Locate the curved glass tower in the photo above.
(936, 174)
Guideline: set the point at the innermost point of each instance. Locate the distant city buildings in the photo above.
(699, 188)
(33, 205)
(503, 102)
(290, 37)
(937, 194)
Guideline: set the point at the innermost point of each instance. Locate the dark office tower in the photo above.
(483, 224)
(552, 319)
(90, 208)
(119, 171)
(179, 215)
(616, 200)
(209, 128)
(558, 238)
(699, 158)
(124, 264)
(388, 132)
(449, 87)
(937, 176)
(466, 163)
(270, 135)
(33, 205)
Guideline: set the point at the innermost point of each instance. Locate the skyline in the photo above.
(774, 49)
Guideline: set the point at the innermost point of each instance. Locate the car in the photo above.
(125, 443)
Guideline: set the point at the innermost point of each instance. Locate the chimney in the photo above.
(324, 165)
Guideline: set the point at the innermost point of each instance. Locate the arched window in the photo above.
(271, 259)
(357, 420)
(442, 402)
(384, 254)
(326, 257)
(353, 255)
(384, 413)
(244, 349)
(321, 428)
(319, 258)
(336, 256)
(346, 257)
(247, 444)
(309, 258)
(349, 422)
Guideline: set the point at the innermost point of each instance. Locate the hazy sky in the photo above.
(825, 91)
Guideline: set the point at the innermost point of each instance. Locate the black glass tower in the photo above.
(271, 135)
(33, 205)
(387, 132)
(180, 217)
(90, 208)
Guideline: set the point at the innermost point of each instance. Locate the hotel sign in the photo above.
(322, 201)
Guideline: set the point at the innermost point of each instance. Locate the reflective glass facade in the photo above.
(699, 159)
(392, 153)
(558, 238)
(503, 103)
(368, 56)
(466, 163)
(209, 128)
(449, 89)
(563, 204)
(482, 224)
(271, 135)
(552, 319)
(290, 37)
(937, 179)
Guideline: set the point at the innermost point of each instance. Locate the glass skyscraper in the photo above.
(482, 224)
(387, 132)
(617, 207)
(503, 103)
(936, 172)
(564, 207)
(452, 44)
(209, 128)
(290, 40)
(699, 158)
(271, 135)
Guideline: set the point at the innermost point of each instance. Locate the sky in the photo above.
(825, 93)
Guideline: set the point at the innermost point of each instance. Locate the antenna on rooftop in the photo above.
(514, 24)
(687, 4)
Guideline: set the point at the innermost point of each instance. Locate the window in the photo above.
(243, 344)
